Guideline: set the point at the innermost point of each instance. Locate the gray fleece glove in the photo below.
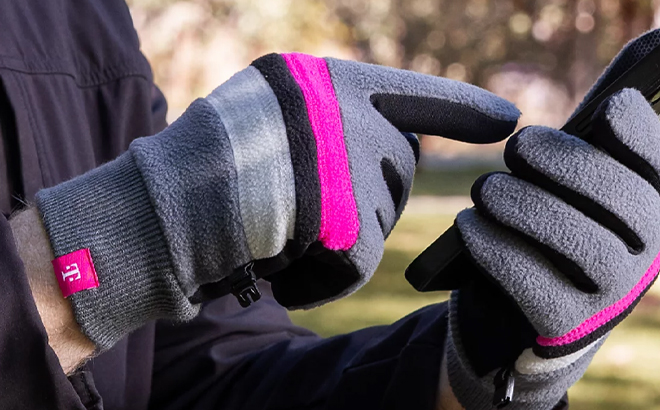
(297, 167)
(572, 238)
(562, 249)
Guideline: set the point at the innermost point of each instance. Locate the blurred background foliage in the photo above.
(542, 55)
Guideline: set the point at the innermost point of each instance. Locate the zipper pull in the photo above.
(244, 285)
(504, 384)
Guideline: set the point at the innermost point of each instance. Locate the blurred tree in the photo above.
(541, 54)
(568, 41)
(195, 45)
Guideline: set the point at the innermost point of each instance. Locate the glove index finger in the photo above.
(443, 117)
(426, 104)
(627, 128)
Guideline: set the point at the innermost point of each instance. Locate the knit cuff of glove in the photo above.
(531, 392)
(108, 211)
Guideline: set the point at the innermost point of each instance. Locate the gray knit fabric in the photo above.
(531, 392)
(159, 221)
(108, 210)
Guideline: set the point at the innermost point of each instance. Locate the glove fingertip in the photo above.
(504, 109)
(475, 192)
(478, 99)
(504, 115)
(627, 99)
(627, 128)
(500, 117)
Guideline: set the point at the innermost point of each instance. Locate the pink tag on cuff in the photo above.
(75, 272)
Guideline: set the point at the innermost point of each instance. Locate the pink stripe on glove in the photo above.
(339, 218)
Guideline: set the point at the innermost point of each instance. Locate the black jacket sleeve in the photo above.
(255, 358)
(30, 373)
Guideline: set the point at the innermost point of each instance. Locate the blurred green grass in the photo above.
(447, 182)
(625, 374)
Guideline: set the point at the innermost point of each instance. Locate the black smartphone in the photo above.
(440, 265)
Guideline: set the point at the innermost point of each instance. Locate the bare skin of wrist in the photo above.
(64, 335)
(446, 398)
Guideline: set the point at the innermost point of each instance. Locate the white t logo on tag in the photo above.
(77, 272)
(71, 270)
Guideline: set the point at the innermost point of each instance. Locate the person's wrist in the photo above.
(65, 337)
(106, 215)
(446, 397)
